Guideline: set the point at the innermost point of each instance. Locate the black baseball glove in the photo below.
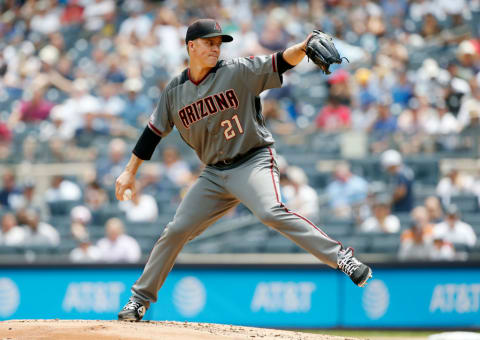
(321, 49)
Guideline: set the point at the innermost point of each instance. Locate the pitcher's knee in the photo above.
(177, 230)
(268, 216)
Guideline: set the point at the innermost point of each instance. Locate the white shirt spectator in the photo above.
(74, 109)
(124, 249)
(67, 191)
(461, 233)
(372, 225)
(46, 23)
(95, 11)
(303, 202)
(140, 25)
(13, 237)
(453, 185)
(144, 210)
(443, 252)
(178, 172)
(85, 254)
(44, 235)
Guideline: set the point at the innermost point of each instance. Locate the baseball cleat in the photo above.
(356, 270)
(132, 311)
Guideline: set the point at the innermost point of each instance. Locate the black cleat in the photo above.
(132, 311)
(356, 270)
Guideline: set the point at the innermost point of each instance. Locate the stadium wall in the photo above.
(445, 295)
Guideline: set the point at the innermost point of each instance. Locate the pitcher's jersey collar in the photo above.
(212, 70)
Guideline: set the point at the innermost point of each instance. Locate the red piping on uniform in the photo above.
(154, 129)
(273, 63)
(198, 82)
(290, 212)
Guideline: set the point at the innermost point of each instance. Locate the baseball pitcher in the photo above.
(216, 108)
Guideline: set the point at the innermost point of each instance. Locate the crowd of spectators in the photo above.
(81, 77)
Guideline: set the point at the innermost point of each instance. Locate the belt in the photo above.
(237, 160)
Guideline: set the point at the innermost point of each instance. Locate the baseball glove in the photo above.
(322, 51)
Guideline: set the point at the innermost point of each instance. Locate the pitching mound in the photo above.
(115, 330)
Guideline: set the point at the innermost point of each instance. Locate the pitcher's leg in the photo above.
(205, 203)
(256, 185)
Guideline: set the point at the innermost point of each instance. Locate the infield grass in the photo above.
(378, 334)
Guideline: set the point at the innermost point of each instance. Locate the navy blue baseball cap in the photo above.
(206, 28)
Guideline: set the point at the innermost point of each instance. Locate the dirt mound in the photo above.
(115, 330)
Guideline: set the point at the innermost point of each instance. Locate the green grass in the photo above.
(372, 334)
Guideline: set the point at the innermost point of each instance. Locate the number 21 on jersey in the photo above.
(229, 131)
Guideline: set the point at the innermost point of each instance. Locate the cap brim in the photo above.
(225, 37)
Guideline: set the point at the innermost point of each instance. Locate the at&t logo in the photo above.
(9, 297)
(376, 299)
(189, 296)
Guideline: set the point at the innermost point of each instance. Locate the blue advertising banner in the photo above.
(415, 298)
(305, 297)
(267, 297)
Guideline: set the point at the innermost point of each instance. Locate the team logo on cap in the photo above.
(217, 27)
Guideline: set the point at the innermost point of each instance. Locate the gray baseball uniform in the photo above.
(220, 118)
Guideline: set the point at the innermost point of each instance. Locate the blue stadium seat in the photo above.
(62, 208)
(466, 203)
(384, 243)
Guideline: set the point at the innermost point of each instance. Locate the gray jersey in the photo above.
(220, 116)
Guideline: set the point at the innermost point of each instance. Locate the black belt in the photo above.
(237, 160)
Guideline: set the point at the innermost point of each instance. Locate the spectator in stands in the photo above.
(138, 25)
(347, 191)
(140, 208)
(5, 140)
(81, 214)
(402, 91)
(29, 201)
(85, 252)
(174, 167)
(454, 183)
(46, 19)
(417, 247)
(87, 135)
(334, 117)
(400, 181)
(95, 198)
(470, 108)
(97, 13)
(442, 250)
(10, 194)
(116, 246)
(62, 189)
(39, 233)
(33, 109)
(11, 234)
(137, 106)
(298, 195)
(455, 231)
(434, 209)
(72, 13)
(382, 220)
(108, 169)
(383, 127)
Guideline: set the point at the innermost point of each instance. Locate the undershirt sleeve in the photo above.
(282, 64)
(146, 144)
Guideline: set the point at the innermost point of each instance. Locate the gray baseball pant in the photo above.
(255, 183)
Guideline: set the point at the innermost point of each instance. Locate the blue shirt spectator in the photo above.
(346, 192)
(385, 124)
(136, 104)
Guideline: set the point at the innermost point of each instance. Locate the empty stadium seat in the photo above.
(465, 203)
(384, 243)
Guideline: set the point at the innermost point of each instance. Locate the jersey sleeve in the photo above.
(160, 120)
(261, 73)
